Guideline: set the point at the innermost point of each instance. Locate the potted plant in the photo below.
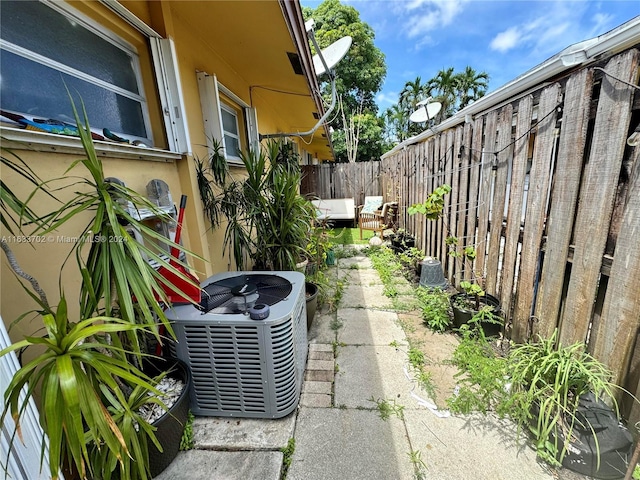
(86, 365)
(558, 393)
(267, 221)
(402, 240)
(472, 305)
(311, 295)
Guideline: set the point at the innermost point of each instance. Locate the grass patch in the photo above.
(350, 236)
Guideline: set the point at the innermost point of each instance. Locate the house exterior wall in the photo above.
(195, 52)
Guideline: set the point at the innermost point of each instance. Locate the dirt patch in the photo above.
(438, 349)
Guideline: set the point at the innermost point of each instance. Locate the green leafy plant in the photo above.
(538, 385)
(481, 375)
(267, 220)
(415, 457)
(434, 308)
(84, 366)
(418, 361)
(287, 457)
(320, 245)
(432, 207)
(388, 267)
(187, 441)
(402, 240)
(548, 380)
(473, 291)
(386, 408)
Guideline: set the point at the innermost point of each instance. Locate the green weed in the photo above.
(187, 442)
(434, 308)
(386, 408)
(287, 457)
(419, 466)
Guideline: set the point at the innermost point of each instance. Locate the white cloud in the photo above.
(386, 99)
(427, 15)
(601, 21)
(553, 26)
(506, 40)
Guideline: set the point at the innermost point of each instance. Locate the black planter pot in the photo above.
(171, 425)
(311, 290)
(400, 245)
(601, 445)
(462, 316)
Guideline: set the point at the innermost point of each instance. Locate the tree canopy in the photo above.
(359, 75)
(359, 134)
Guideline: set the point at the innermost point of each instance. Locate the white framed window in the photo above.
(230, 132)
(70, 50)
(227, 119)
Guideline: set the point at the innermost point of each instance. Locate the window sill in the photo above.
(18, 138)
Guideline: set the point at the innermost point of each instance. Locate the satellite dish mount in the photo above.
(426, 111)
(323, 62)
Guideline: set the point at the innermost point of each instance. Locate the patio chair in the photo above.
(376, 215)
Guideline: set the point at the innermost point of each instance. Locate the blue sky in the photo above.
(502, 38)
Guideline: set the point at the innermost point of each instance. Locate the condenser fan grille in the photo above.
(218, 297)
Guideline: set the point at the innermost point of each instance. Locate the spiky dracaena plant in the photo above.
(83, 367)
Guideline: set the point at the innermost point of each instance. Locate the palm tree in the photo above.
(411, 94)
(471, 86)
(395, 119)
(445, 86)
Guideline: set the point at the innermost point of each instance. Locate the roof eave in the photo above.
(295, 22)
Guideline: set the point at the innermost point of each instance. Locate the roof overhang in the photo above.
(265, 45)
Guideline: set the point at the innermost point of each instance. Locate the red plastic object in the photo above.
(185, 291)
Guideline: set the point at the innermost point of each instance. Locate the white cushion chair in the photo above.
(370, 216)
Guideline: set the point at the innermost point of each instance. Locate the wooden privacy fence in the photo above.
(548, 192)
(342, 180)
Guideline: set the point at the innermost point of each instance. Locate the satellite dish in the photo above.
(332, 55)
(426, 112)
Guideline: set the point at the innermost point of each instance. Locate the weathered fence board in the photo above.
(564, 196)
(450, 266)
(344, 180)
(516, 193)
(597, 192)
(448, 176)
(484, 200)
(539, 179)
(616, 332)
(474, 188)
(464, 166)
(499, 198)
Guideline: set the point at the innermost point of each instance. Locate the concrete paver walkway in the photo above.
(358, 362)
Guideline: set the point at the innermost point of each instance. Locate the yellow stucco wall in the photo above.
(43, 257)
